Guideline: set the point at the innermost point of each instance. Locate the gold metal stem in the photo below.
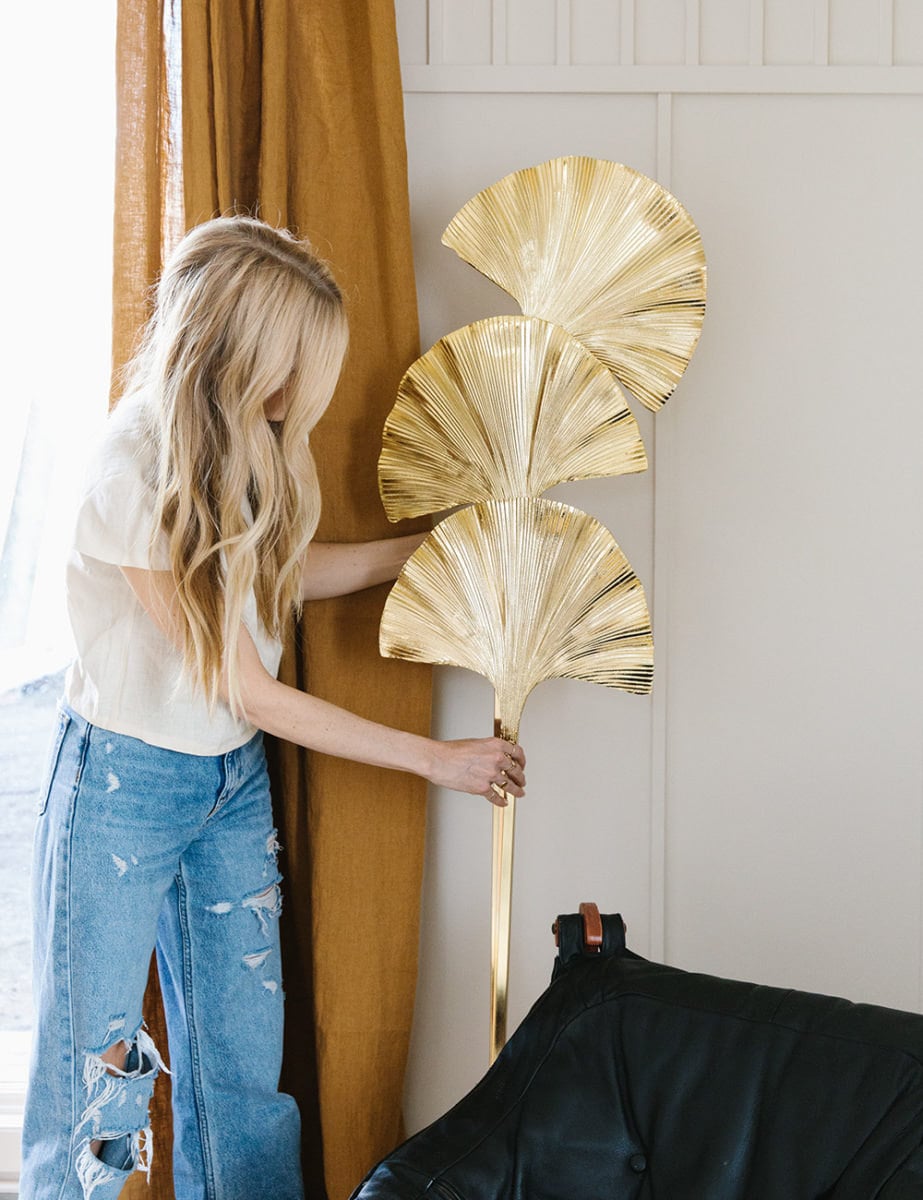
(501, 898)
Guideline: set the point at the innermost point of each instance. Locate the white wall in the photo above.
(761, 815)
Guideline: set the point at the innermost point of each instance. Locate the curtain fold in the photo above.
(146, 222)
(294, 111)
(147, 218)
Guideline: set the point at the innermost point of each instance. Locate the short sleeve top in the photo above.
(127, 676)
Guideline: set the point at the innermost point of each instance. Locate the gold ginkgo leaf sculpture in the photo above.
(610, 273)
(508, 406)
(602, 250)
(521, 591)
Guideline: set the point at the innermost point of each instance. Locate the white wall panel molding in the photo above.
(886, 33)
(435, 32)
(757, 33)
(499, 34)
(664, 138)
(531, 32)
(662, 461)
(662, 33)
(821, 32)
(724, 33)
(607, 80)
(627, 34)
(412, 30)
(693, 32)
(562, 50)
(856, 34)
(659, 593)
(595, 32)
(789, 30)
(908, 31)
(466, 31)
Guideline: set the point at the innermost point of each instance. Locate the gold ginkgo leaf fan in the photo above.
(505, 407)
(562, 601)
(520, 591)
(602, 250)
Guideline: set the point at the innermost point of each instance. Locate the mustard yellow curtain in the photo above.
(147, 215)
(146, 164)
(294, 110)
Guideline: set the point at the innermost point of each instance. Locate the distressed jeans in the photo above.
(138, 846)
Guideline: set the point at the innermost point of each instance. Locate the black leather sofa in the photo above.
(629, 1079)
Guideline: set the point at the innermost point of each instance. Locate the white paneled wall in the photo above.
(907, 23)
(724, 33)
(595, 29)
(661, 32)
(761, 815)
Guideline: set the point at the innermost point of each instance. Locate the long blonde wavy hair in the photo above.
(242, 311)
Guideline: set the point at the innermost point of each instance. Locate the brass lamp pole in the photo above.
(501, 903)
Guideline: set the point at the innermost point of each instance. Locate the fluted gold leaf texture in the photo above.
(601, 249)
(505, 407)
(520, 591)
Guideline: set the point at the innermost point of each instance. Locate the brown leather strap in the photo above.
(592, 925)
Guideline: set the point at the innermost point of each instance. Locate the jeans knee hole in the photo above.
(266, 904)
(116, 1152)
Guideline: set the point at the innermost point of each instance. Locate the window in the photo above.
(59, 91)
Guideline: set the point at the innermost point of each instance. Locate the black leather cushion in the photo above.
(631, 1079)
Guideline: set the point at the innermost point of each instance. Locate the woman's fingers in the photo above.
(489, 767)
(511, 780)
(506, 783)
(515, 774)
(496, 795)
(514, 751)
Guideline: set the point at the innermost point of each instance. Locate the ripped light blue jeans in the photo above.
(138, 846)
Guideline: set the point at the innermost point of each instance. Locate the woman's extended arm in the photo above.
(471, 765)
(338, 568)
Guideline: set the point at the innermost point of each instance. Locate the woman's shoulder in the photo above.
(125, 447)
(115, 516)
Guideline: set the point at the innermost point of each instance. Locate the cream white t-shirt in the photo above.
(127, 676)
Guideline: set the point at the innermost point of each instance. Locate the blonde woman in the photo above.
(191, 552)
